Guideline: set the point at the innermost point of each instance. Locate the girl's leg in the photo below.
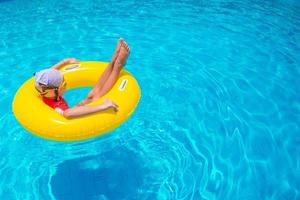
(113, 77)
(104, 75)
(108, 69)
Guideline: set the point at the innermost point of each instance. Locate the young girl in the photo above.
(51, 85)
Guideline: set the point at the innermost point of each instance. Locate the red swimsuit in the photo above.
(60, 105)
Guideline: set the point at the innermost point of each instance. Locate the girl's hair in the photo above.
(56, 93)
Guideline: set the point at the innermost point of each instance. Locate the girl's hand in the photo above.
(72, 61)
(110, 104)
(64, 62)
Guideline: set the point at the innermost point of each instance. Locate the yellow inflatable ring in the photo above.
(42, 120)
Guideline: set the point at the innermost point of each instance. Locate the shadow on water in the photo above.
(116, 174)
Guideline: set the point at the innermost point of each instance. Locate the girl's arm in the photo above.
(78, 111)
(64, 62)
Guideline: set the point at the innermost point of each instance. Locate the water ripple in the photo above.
(219, 113)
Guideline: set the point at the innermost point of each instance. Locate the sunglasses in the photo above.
(63, 84)
(45, 89)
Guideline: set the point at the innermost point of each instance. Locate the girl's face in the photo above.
(50, 93)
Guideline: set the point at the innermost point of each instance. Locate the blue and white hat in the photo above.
(49, 77)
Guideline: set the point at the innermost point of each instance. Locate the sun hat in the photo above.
(49, 77)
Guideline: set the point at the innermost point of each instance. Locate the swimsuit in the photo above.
(59, 106)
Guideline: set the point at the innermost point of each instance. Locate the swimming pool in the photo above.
(219, 114)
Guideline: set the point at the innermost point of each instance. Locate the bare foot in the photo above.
(117, 50)
(123, 55)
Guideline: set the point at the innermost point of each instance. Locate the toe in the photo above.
(120, 42)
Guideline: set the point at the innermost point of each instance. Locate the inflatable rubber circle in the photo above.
(44, 121)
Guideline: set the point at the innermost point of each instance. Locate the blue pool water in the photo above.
(219, 116)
